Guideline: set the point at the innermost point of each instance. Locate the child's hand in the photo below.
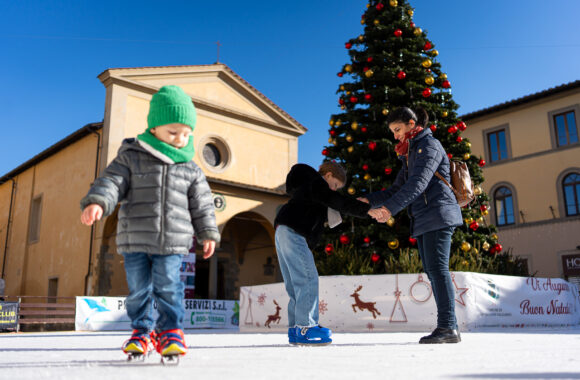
(91, 213)
(208, 248)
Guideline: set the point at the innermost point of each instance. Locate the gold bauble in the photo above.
(354, 125)
(350, 149)
(465, 246)
(394, 244)
(385, 111)
(341, 88)
(485, 246)
(444, 114)
(362, 21)
(480, 220)
(466, 156)
(330, 140)
(410, 12)
(348, 92)
(368, 6)
(338, 123)
(343, 107)
(367, 177)
(361, 38)
(469, 220)
(349, 138)
(434, 53)
(485, 212)
(494, 237)
(429, 80)
(331, 122)
(369, 73)
(443, 76)
(468, 144)
(348, 68)
(478, 190)
(393, 3)
(417, 32)
(427, 63)
(351, 190)
(376, 22)
(391, 222)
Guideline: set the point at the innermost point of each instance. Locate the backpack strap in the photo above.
(447, 183)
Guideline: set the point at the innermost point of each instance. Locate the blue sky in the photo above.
(52, 51)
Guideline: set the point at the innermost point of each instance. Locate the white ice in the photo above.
(214, 354)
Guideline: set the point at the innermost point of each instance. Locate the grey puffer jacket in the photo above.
(162, 205)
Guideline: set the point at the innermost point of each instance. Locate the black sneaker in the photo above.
(441, 335)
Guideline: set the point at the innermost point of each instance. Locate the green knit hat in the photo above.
(171, 105)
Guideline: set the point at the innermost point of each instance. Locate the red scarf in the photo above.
(402, 148)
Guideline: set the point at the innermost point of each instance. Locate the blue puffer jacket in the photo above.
(430, 203)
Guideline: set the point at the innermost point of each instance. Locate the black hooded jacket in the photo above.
(307, 210)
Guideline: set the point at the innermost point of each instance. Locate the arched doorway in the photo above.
(110, 268)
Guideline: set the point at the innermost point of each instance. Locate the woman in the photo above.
(432, 208)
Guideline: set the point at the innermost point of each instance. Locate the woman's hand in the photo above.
(381, 215)
(361, 199)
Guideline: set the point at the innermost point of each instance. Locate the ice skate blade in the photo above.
(170, 360)
(313, 344)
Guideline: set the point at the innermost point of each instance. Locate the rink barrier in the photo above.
(55, 313)
(405, 303)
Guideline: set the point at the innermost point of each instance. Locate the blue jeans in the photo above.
(434, 250)
(154, 277)
(300, 277)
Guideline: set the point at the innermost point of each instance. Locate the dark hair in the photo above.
(335, 169)
(404, 114)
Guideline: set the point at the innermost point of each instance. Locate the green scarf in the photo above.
(167, 152)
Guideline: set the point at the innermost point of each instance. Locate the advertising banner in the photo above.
(8, 316)
(187, 273)
(404, 302)
(109, 313)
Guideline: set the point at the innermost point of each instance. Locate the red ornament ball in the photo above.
(380, 6)
(462, 126)
(375, 257)
(368, 97)
(483, 207)
(363, 129)
(412, 24)
(481, 163)
(372, 145)
(427, 92)
(329, 249)
(332, 132)
(412, 240)
(433, 127)
(325, 152)
(340, 101)
(367, 240)
(401, 75)
(388, 171)
(452, 129)
(339, 75)
(369, 59)
(446, 84)
(398, 32)
(449, 155)
(497, 247)
(353, 99)
(459, 139)
(365, 167)
(348, 45)
(344, 239)
(474, 226)
(428, 45)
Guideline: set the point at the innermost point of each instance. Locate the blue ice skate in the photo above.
(312, 336)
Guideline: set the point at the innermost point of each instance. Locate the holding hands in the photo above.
(381, 214)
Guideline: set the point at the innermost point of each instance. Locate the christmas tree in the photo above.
(394, 64)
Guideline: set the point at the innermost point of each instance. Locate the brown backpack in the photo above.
(461, 184)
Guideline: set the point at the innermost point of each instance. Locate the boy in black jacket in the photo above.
(299, 225)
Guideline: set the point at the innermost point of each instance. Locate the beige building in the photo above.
(244, 143)
(532, 176)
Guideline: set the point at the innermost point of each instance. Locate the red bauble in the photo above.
(401, 75)
(329, 249)
(433, 127)
(449, 155)
(459, 139)
(388, 171)
(398, 33)
(332, 132)
(363, 129)
(339, 74)
(372, 145)
(492, 250)
(340, 101)
(481, 163)
(348, 45)
(428, 45)
(427, 92)
(483, 207)
(375, 257)
(452, 129)
(474, 226)
(446, 84)
(365, 167)
(365, 69)
(344, 239)
(498, 248)
(353, 99)
(368, 97)
(412, 24)
(412, 240)
(369, 59)
(380, 6)
(325, 152)
(462, 126)
(367, 240)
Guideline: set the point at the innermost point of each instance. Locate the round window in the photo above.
(215, 153)
(211, 155)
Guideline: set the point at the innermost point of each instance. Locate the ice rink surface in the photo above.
(216, 354)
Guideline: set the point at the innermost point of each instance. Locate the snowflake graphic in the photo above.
(262, 299)
(322, 307)
(370, 326)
